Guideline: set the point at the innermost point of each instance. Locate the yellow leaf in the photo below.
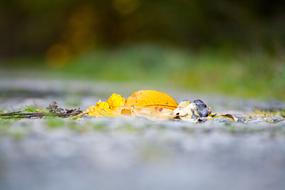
(108, 108)
(101, 109)
(151, 104)
(151, 98)
(115, 101)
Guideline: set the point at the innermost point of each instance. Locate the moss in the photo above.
(128, 128)
(31, 109)
(282, 113)
(4, 126)
(78, 127)
(55, 122)
(100, 127)
(17, 134)
(231, 129)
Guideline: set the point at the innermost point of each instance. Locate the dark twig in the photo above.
(53, 110)
(19, 115)
(61, 112)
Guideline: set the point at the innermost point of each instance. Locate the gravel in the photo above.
(136, 153)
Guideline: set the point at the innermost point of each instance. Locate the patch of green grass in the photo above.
(5, 125)
(282, 112)
(75, 126)
(241, 130)
(245, 74)
(11, 118)
(128, 128)
(100, 127)
(17, 134)
(55, 122)
(7, 129)
(31, 109)
(81, 127)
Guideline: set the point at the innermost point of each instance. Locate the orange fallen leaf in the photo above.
(151, 98)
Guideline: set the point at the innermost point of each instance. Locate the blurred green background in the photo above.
(230, 47)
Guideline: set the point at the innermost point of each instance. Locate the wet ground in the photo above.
(135, 153)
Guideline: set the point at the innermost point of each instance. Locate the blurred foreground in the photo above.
(135, 153)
